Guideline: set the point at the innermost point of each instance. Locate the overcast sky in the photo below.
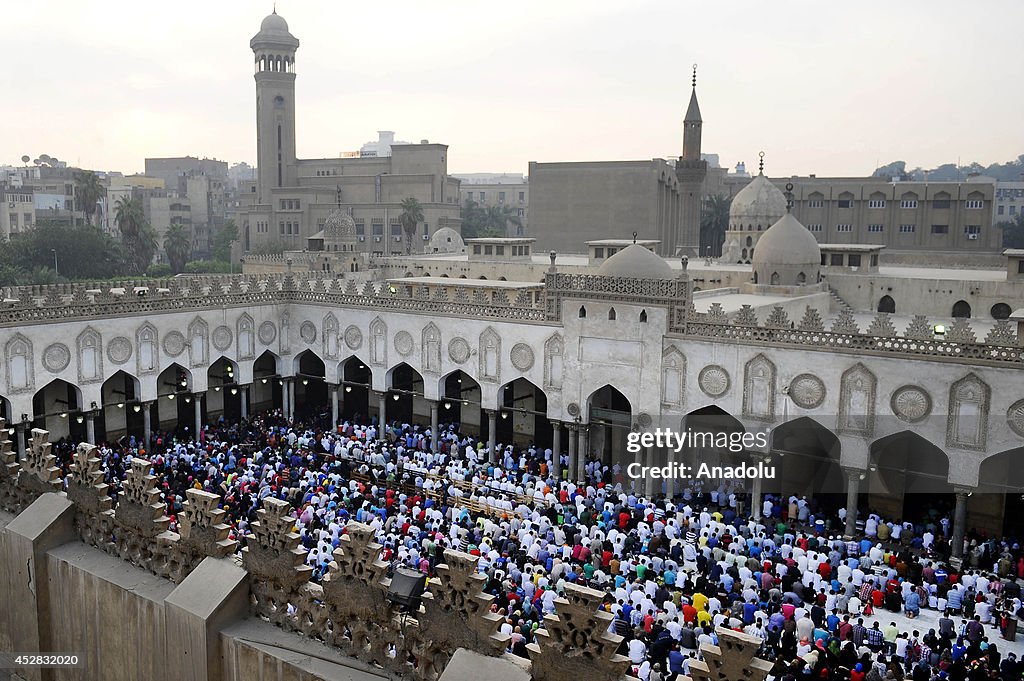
(823, 87)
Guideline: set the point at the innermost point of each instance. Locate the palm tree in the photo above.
(498, 218)
(138, 236)
(412, 214)
(178, 246)
(714, 221)
(88, 191)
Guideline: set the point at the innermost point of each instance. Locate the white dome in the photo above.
(787, 243)
(637, 262)
(756, 206)
(274, 22)
(446, 240)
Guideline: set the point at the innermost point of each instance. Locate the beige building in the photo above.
(1009, 200)
(513, 194)
(17, 210)
(294, 197)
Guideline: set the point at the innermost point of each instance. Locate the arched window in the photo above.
(775, 279)
(611, 314)
(643, 316)
(1000, 311)
(962, 308)
(887, 304)
(750, 241)
(801, 278)
(583, 312)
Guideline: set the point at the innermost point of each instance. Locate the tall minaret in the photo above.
(275, 48)
(690, 171)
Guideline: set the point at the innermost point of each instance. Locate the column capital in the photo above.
(961, 491)
(852, 472)
(199, 394)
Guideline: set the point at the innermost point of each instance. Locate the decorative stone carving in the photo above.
(857, 401)
(85, 484)
(778, 319)
(39, 471)
(960, 331)
(575, 643)
(553, 356)
(967, 426)
(174, 343)
(20, 364)
(307, 332)
(716, 314)
(200, 525)
(244, 337)
(521, 356)
(329, 336)
(222, 338)
(1015, 417)
(733, 658)
(811, 321)
(458, 350)
(353, 581)
(1001, 334)
(673, 378)
(430, 349)
(147, 355)
(198, 343)
(56, 358)
(713, 380)
(119, 350)
(573, 409)
(745, 316)
(378, 342)
(138, 506)
(882, 326)
(490, 356)
(919, 328)
(353, 337)
(273, 548)
(404, 343)
(807, 391)
(911, 403)
(845, 323)
(268, 332)
(759, 389)
(89, 344)
(284, 338)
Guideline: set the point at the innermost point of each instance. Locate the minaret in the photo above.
(274, 48)
(690, 171)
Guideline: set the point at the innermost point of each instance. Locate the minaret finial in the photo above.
(275, 8)
(338, 196)
(694, 76)
(789, 197)
(760, 164)
(634, 237)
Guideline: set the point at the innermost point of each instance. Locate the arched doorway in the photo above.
(405, 403)
(460, 405)
(310, 386)
(120, 411)
(174, 399)
(806, 459)
(55, 408)
(887, 304)
(523, 417)
(610, 415)
(908, 479)
(222, 398)
(356, 379)
(265, 393)
(998, 505)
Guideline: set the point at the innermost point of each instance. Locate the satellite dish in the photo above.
(25, 159)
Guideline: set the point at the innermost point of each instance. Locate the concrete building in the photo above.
(170, 169)
(295, 196)
(514, 194)
(17, 210)
(1009, 198)
(381, 147)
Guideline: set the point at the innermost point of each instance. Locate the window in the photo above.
(814, 227)
(499, 250)
(599, 253)
(483, 195)
(396, 228)
(876, 203)
(281, 227)
(488, 249)
(874, 260)
(815, 203)
(845, 203)
(972, 229)
(360, 228)
(501, 197)
(282, 204)
(1000, 311)
(26, 219)
(974, 204)
(378, 227)
(522, 196)
(853, 260)
(837, 259)
(583, 312)
(940, 229)
(611, 314)
(908, 229)
(14, 219)
(908, 203)
(940, 204)
(520, 212)
(844, 228)
(469, 195)
(1013, 210)
(476, 249)
(612, 251)
(426, 229)
(643, 314)
(876, 228)
(1020, 267)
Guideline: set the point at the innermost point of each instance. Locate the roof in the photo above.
(852, 248)
(787, 242)
(501, 240)
(623, 242)
(760, 202)
(636, 261)
(473, 283)
(693, 110)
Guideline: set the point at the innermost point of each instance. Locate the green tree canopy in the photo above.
(222, 241)
(412, 215)
(714, 221)
(178, 247)
(88, 191)
(82, 253)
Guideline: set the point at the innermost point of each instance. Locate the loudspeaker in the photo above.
(406, 588)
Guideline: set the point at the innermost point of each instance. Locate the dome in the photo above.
(787, 254)
(339, 225)
(274, 22)
(638, 262)
(756, 206)
(446, 240)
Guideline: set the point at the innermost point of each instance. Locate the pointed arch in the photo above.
(378, 342)
(611, 314)
(147, 349)
(553, 361)
(430, 348)
(89, 350)
(245, 336)
(329, 334)
(198, 343)
(490, 355)
(18, 357)
(857, 389)
(759, 389)
(673, 378)
(967, 425)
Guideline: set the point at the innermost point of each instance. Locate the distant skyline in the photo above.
(824, 88)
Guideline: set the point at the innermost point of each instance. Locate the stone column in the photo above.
(382, 409)
(243, 392)
(584, 452)
(573, 450)
(19, 435)
(852, 492)
(435, 435)
(755, 499)
(556, 445)
(333, 388)
(147, 422)
(90, 427)
(959, 521)
(197, 399)
(492, 434)
(650, 484)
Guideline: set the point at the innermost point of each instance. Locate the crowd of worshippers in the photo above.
(673, 570)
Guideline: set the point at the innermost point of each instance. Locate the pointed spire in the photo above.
(760, 163)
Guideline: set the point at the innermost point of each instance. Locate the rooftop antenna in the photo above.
(760, 163)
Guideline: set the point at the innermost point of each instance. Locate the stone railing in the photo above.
(959, 343)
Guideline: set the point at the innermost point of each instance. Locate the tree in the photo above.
(88, 191)
(412, 214)
(498, 218)
(276, 247)
(714, 221)
(138, 236)
(1013, 232)
(82, 253)
(177, 246)
(222, 241)
(475, 221)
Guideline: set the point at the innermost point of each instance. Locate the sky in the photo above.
(832, 88)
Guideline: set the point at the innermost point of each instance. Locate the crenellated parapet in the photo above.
(39, 471)
(735, 657)
(272, 551)
(201, 527)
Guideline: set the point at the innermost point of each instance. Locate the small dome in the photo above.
(759, 203)
(787, 242)
(637, 262)
(339, 225)
(274, 22)
(446, 240)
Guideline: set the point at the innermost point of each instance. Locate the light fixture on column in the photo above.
(63, 414)
(348, 388)
(305, 381)
(136, 408)
(395, 396)
(447, 405)
(504, 414)
(263, 380)
(120, 405)
(234, 391)
(188, 400)
(10, 431)
(171, 396)
(79, 419)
